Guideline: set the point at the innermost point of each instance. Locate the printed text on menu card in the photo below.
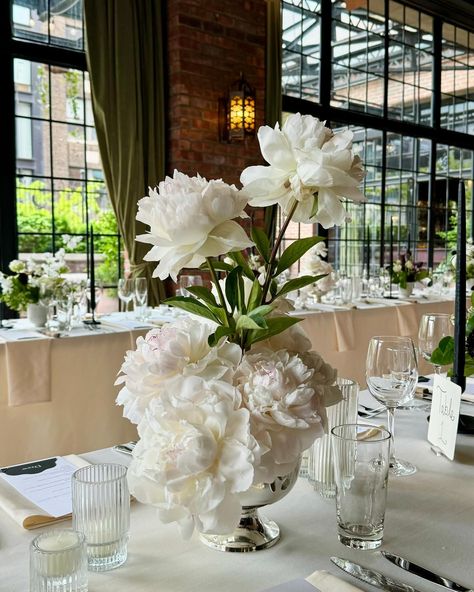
(444, 415)
(46, 483)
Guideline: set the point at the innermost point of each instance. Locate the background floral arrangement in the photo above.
(30, 278)
(316, 265)
(469, 260)
(232, 399)
(405, 270)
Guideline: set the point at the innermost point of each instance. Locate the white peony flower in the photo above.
(194, 456)
(286, 413)
(18, 266)
(409, 264)
(397, 266)
(314, 265)
(305, 159)
(320, 249)
(6, 283)
(323, 379)
(190, 219)
(167, 353)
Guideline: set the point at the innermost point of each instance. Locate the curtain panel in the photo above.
(125, 62)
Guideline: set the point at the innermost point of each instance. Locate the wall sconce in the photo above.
(237, 112)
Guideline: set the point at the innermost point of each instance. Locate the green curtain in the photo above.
(273, 86)
(125, 61)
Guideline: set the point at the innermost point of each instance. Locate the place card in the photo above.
(444, 417)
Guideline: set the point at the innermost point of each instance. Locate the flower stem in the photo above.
(215, 280)
(276, 246)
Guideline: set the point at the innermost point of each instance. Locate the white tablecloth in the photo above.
(82, 415)
(430, 519)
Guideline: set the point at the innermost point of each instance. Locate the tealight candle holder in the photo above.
(101, 510)
(58, 561)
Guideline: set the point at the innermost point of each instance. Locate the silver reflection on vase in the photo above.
(254, 531)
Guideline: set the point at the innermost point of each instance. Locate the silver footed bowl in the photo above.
(255, 532)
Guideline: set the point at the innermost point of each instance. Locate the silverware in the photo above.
(125, 448)
(372, 577)
(425, 573)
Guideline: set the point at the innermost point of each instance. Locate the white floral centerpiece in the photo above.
(315, 264)
(231, 400)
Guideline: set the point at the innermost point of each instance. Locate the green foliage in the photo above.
(20, 295)
(34, 214)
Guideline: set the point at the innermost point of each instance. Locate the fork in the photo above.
(370, 411)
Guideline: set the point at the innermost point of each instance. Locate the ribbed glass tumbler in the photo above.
(101, 510)
(320, 461)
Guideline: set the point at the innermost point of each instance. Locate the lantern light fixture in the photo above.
(237, 112)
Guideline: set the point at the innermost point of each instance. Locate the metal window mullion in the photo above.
(326, 29)
(382, 199)
(51, 159)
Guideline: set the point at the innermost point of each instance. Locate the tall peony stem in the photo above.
(276, 246)
(215, 280)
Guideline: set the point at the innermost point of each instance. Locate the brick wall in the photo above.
(209, 43)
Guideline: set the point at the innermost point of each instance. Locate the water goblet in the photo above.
(140, 296)
(433, 327)
(125, 291)
(392, 375)
(185, 281)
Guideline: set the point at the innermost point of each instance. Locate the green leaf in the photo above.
(261, 242)
(203, 293)
(273, 288)
(191, 305)
(275, 325)
(232, 287)
(219, 313)
(245, 322)
(218, 265)
(242, 261)
(298, 283)
(255, 296)
(262, 310)
(469, 366)
(444, 353)
(295, 251)
(472, 299)
(314, 209)
(215, 337)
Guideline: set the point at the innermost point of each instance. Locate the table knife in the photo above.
(372, 577)
(425, 573)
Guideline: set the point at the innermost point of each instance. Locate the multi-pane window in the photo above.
(60, 187)
(385, 58)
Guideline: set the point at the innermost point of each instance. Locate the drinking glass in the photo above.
(433, 327)
(320, 458)
(392, 375)
(126, 291)
(361, 461)
(185, 281)
(140, 297)
(58, 561)
(101, 510)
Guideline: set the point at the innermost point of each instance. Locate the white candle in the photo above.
(58, 553)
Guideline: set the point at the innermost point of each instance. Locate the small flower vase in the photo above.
(37, 314)
(254, 531)
(406, 292)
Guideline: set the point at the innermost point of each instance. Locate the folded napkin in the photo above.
(326, 582)
(28, 358)
(26, 513)
(319, 581)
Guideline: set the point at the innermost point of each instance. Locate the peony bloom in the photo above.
(172, 351)
(307, 162)
(194, 456)
(286, 412)
(397, 266)
(190, 219)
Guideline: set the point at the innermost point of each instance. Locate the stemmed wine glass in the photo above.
(392, 375)
(125, 291)
(185, 281)
(140, 296)
(433, 327)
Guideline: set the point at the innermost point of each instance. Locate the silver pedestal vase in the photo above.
(255, 532)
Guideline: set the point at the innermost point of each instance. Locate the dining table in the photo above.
(429, 519)
(57, 393)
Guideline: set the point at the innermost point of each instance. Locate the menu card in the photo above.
(444, 416)
(39, 492)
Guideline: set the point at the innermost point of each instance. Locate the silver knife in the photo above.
(425, 573)
(372, 577)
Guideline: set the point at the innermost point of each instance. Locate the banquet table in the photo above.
(429, 519)
(81, 413)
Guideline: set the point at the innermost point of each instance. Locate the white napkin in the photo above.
(24, 512)
(326, 582)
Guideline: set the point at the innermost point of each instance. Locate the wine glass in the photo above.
(392, 375)
(185, 281)
(433, 327)
(140, 297)
(125, 291)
